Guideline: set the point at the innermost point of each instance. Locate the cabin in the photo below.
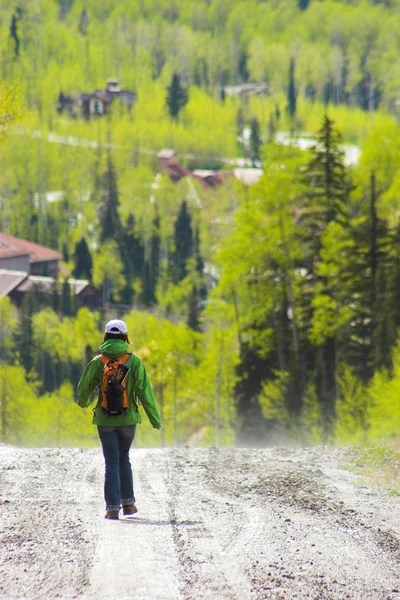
(26, 266)
(22, 255)
(96, 103)
(168, 163)
(16, 284)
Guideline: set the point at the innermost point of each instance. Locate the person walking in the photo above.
(117, 428)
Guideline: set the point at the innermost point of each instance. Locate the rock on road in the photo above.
(212, 524)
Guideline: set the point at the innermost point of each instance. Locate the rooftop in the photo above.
(11, 246)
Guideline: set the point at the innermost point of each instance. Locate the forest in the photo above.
(264, 313)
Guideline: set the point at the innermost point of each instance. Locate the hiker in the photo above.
(117, 413)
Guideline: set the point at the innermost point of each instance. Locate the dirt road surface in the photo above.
(213, 524)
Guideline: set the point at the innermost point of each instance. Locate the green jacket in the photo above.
(137, 385)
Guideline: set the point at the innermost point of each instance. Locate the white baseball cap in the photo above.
(116, 326)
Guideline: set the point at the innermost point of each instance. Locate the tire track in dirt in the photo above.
(211, 552)
(135, 557)
(317, 548)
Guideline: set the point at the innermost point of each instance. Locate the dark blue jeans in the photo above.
(118, 482)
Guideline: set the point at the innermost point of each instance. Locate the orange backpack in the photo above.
(114, 400)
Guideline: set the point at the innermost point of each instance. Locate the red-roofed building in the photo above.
(170, 165)
(15, 284)
(22, 255)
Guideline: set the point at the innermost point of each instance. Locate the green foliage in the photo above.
(107, 270)
(305, 265)
(8, 326)
(352, 408)
(379, 464)
(312, 424)
(384, 410)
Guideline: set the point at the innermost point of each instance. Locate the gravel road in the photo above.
(212, 524)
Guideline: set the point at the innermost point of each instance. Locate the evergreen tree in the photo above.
(325, 202)
(183, 242)
(14, 35)
(292, 94)
(243, 68)
(24, 346)
(392, 307)
(197, 253)
(110, 222)
(65, 7)
(177, 96)
(371, 258)
(152, 267)
(255, 140)
(68, 300)
(271, 128)
(132, 255)
(194, 309)
(199, 267)
(252, 427)
(328, 187)
(83, 261)
(83, 23)
(65, 251)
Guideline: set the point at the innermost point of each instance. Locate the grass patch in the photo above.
(380, 465)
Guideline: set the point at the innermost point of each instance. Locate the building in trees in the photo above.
(169, 164)
(22, 255)
(96, 103)
(18, 285)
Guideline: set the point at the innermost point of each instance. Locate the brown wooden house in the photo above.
(96, 103)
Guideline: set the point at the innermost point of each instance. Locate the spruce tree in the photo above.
(183, 242)
(83, 261)
(326, 200)
(152, 266)
(83, 22)
(65, 7)
(132, 255)
(110, 222)
(194, 309)
(177, 96)
(14, 35)
(327, 184)
(291, 93)
(255, 140)
(24, 345)
(243, 69)
(68, 300)
(199, 267)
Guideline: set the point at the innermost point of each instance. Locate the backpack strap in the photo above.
(106, 359)
(103, 359)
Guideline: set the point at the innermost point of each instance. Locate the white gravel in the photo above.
(212, 524)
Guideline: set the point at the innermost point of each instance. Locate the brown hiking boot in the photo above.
(129, 509)
(112, 514)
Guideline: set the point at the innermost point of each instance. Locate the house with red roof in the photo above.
(26, 266)
(22, 255)
(169, 164)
